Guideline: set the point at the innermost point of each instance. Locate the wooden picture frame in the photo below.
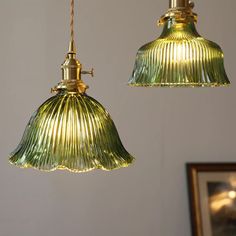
(212, 197)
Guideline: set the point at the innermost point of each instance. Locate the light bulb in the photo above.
(232, 195)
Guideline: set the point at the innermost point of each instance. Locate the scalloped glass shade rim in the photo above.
(64, 168)
(71, 132)
(179, 85)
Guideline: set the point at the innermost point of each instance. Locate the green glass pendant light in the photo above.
(71, 130)
(180, 57)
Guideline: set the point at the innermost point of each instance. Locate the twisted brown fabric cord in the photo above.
(72, 13)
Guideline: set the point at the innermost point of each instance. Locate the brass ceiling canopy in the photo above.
(180, 57)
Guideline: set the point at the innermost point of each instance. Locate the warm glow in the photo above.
(217, 205)
(232, 194)
(180, 57)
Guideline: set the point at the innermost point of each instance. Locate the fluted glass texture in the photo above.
(74, 132)
(180, 57)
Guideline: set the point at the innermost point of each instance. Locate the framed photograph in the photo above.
(212, 193)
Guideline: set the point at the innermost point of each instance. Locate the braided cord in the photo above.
(72, 14)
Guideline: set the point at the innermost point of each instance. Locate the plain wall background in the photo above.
(162, 128)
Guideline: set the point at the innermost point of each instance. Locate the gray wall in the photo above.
(162, 128)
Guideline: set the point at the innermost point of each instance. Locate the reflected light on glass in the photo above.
(71, 131)
(226, 198)
(180, 57)
(232, 195)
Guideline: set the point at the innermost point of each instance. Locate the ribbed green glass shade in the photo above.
(180, 57)
(71, 131)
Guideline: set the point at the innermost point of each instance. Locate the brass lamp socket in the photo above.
(180, 10)
(71, 74)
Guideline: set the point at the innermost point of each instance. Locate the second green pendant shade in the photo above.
(71, 130)
(180, 57)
